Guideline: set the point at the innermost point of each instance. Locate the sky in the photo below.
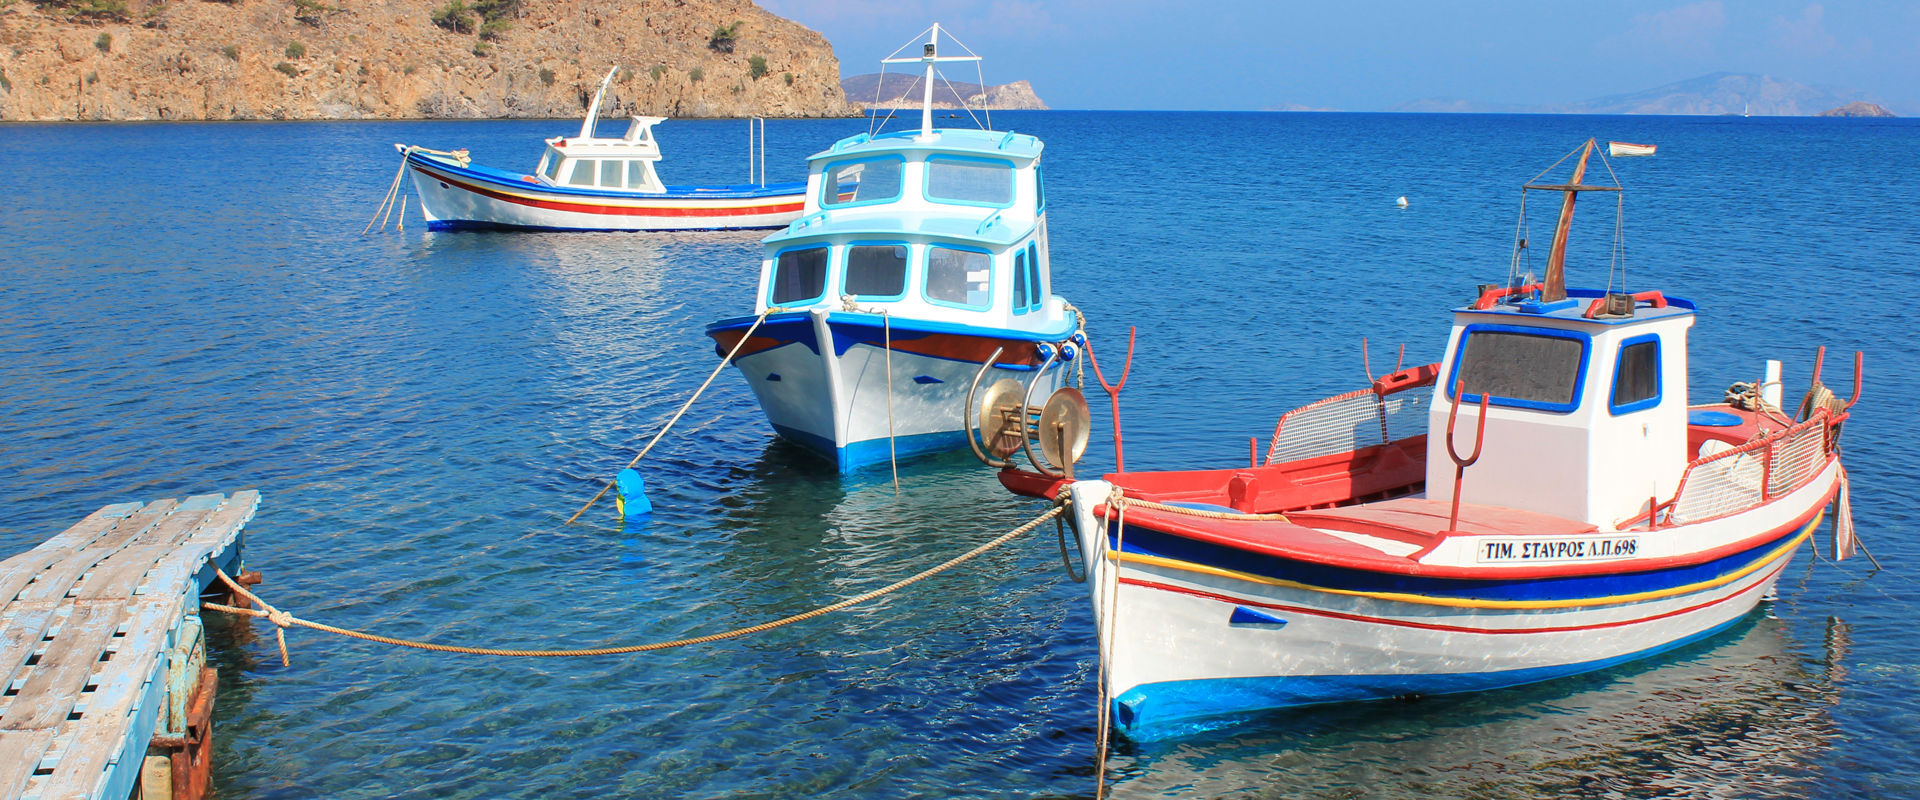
(1371, 55)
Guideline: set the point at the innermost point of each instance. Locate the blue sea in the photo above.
(191, 308)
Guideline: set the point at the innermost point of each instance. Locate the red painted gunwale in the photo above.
(778, 204)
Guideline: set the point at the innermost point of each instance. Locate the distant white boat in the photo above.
(1617, 149)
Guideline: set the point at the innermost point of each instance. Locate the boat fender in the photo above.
(1068, 350)
(631, 500)
(1043, 351)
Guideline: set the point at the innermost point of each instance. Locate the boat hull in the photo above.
(1618, 149)
(455, 197)
(1198, 639)
(834, 399)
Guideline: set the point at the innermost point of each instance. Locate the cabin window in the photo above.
(1033, 275)
(1020, 282)
(551, 168)
(959, 277)
(799, 276)
(861, 181)
(970, 181)
(1039, 190)
(610, 173)
(636, 174)
(1636, 375)
(1521, 367)
(876, 271)
(582, 173)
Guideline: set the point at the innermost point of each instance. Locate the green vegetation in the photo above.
(493, 29)
(788, 76)
(696, 74)
(454, 16)
(287, 69)
(105, 43)
(102, 10)
(480, 49)
(312, 12)
(296, 50)
(756, 67)
(723, 37)
(5, 85)
(657, 71)
(546, 76)
(231, 52)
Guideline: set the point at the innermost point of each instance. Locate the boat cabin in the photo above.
(947, 225)
(1586, 410)
(590, 162)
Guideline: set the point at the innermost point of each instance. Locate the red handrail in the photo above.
(1488, 297)
(1652, 296)
(1460, 464)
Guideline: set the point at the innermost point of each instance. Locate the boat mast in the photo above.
(593, 111)
(929, 57)
(1556, 281)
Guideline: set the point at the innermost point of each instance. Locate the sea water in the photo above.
(191, 308)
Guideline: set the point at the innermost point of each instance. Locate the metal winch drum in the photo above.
(1008, 422)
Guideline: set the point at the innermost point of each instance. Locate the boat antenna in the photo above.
(1555, 288)
(593, 111)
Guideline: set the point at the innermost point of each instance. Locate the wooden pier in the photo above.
(108, 692)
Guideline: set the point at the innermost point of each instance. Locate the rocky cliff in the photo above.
(905, 91)
(388, 59)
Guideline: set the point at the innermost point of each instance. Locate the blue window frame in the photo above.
(1039, 189)
(1020, 294)
(1543, 369)
(961, 180)
(958, 277)
(1636, 376)
(861, 181)
(1038, 292)
(799, 276)
(875, 271)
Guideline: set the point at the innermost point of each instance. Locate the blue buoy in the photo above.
(631, 495)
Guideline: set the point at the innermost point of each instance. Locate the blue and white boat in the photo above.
(920, 257)
(589, 183)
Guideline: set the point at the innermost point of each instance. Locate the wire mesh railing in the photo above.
(1739, 478)
(1348, 422)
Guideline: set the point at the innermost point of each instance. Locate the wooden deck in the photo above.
(97, 630)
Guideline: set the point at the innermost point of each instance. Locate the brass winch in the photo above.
(1008, 420)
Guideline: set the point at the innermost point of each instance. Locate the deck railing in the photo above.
(1393, 408)
(1742, 477)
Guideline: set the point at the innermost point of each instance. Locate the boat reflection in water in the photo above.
(1739, 715)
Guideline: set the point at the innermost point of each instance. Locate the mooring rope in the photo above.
(282, 620)
(683, 408)
(1116, 500)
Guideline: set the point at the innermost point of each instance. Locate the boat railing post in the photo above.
(1460, 464)
(1113, 392)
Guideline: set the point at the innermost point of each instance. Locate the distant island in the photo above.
(1720, 93)
(899, 90)
(1857, 110)
(400, 59)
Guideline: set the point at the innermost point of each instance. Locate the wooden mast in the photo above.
(1555, 288)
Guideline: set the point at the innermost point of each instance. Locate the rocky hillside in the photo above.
(1857, 110)
(388, 59)
(904, 91)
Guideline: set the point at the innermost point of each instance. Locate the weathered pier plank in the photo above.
(98, 627)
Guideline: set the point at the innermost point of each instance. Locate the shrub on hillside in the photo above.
(756, 68)
(296, 50)
(723, 37)
(454, 16)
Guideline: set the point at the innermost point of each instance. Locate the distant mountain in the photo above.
(1857, 110)
(1718, 93)
(897, 90)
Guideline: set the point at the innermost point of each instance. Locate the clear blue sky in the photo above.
(1372, 55)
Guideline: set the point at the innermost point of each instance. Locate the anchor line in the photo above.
(683, 408)
(284, 620)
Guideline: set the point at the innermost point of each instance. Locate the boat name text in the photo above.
(1605, 547)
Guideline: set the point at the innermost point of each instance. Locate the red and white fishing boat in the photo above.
(1618, 149)
(1558, 508)
(590, 182)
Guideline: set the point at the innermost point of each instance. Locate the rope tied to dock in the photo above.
(284, 620)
